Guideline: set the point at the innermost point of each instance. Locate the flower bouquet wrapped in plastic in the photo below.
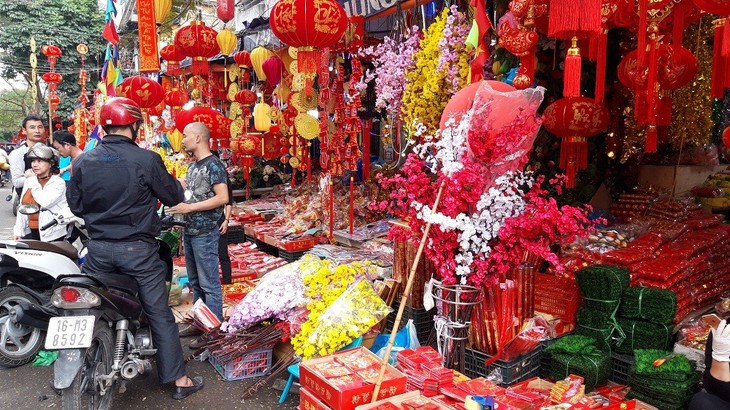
(358, 309)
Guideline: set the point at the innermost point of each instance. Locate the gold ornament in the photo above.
(236, 127)
(308, 102)
(234, 111)
(233, 72)
(232, 90)
(293, 52)
(294, 162)
(298, 82)
(293, 67)
(307, 126)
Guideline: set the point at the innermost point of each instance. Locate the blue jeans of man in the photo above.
(201, 261)
(140, 260)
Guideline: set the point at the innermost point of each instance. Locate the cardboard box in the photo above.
(350, 398)
(308, 401)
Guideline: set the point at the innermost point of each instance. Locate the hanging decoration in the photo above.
(273, 68)
(33, 60)
(111, 74)
(144, 91)
(176, 99)
(197, 41)
(225, 10)
(53, 78)
(162, 10)
(518, 36)
(149, 59)
(172, 56)
(309, 26)
(83, 99)
(574, 119)
(258, 56)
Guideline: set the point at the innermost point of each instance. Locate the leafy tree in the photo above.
(64, 23)
(14, 104)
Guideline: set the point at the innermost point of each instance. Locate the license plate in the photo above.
(69, 332)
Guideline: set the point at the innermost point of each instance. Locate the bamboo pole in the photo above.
(404, 298)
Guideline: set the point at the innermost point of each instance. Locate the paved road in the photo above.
(29, 388)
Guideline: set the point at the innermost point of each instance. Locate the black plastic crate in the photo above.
(546, 363)
(621, 365)
(514, 371)
(265, 247)
(422, 320)
(235, 235)
(291, 256)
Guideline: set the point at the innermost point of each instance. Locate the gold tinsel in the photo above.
(691, 105)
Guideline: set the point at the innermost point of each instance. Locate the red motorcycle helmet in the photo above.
(120, 111)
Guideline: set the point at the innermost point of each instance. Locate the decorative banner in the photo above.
(149, 60)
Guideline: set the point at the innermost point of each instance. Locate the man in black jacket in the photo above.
(115, 188)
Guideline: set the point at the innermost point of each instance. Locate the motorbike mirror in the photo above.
(28, 209)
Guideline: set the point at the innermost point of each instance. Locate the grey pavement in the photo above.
(28, 387)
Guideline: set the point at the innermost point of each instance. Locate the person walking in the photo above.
(65, 143)
(35, 132)
(115, 188)
(46, 190)
(206, 181)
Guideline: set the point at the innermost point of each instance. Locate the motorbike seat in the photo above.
(118, 281)
(61, 247)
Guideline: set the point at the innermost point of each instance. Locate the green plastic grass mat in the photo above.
(678, 368)
(602, 286)
(597, 325)
(649, 304)
(643, 335)
(577, 354)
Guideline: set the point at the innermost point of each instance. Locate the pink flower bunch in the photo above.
(392, 59)
(451, 45)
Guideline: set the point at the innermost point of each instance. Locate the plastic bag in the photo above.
(45, 358)
(533, 332)
(406, 338)
(357, 310)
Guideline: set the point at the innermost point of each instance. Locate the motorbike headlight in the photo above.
(72, 297)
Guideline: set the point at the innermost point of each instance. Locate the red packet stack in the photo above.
(247, 262)
(424, 370)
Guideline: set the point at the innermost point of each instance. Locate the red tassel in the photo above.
(651, 81)
(678, 28)
(199, 66)
(528, 63)
(571, 74)
(601, 50)
(726, 39)
(718, 63)
(641, 33)
(565, 21)
(651, 139)
(573, 157)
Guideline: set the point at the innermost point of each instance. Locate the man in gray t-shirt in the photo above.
(206, 181)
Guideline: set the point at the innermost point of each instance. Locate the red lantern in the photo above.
(144, 91)
(246, 97)
(172, 56)
(243, 59)
(197, 41)
(249, 144)
(629, 72)
(574, 119)
(217, 123)
(721, 7)
(270, 145)
(225, 10)
(176, 99)
(726, 137)
(157, 110)
(307, 25)
(52, 78)
(51, 51)
(54, 100)
(274, 70)
(677, 67)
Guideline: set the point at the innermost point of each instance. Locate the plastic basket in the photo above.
(621, 367)
(265, 247)
(517, 370)
(557, 297)
(252, 364)
(422, 320)
(291, 256)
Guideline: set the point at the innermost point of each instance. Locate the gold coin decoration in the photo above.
(307, 126)
(293, 52)
(294, 67)
(308, 102)
(236, 127)
(294, 162)
(233, 72)
(298, 82)
(296, 102)
(234, 111)
(195, 94)
(232, 90)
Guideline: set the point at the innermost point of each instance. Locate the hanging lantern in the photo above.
(227, 41)
(162, 9)
(574, 119)
(175, 138)
(225, 10)
(144, 91)
(677, 67)
(157, 110)
(52, 78)
(246, 97)
(197, 41)
(273, 68)
(308, 25)
(630, 74)
(258, 56)
(243, 59)
(52, 53)
(54, 100)
(262, 117)
(172, 56)
(176, 99)
(216, 122)
(719, 7)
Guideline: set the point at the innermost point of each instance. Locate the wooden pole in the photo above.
(404, 298)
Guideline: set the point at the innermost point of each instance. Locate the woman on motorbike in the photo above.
(48, 191)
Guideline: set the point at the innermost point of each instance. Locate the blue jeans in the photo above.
(140, 260)
(201, 261)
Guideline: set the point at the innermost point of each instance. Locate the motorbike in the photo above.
(28, 269)
(15, 199)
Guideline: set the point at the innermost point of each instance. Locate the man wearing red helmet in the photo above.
(115, 188)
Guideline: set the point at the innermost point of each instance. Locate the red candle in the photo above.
(352, 204)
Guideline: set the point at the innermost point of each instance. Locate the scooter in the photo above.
(100, 332)
(28, 269)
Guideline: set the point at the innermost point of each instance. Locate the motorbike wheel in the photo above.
(16, 202)
(18, 343)
(84, 392)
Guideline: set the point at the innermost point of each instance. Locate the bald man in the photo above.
(206, 181)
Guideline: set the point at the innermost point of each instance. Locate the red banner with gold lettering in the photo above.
(149, 60)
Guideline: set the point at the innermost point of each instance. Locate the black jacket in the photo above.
(115, 188)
